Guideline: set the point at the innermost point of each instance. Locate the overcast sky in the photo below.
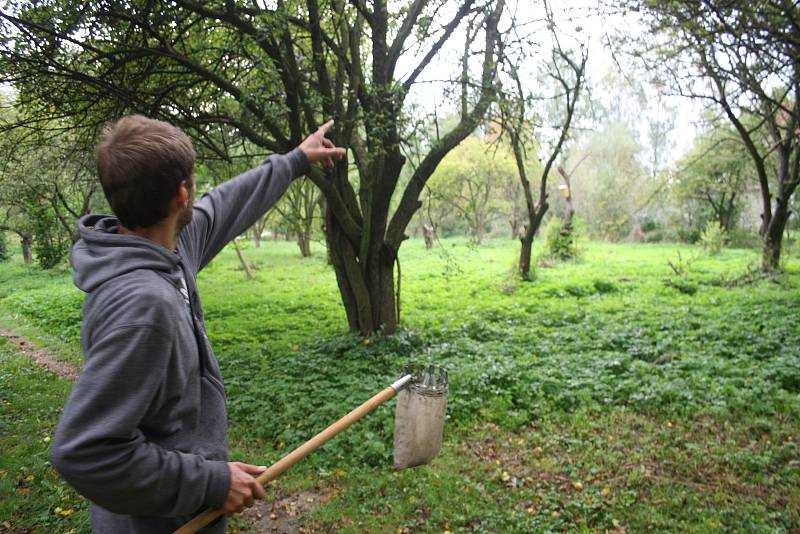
(585, 22)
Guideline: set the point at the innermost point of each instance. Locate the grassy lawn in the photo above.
(614, 393)
(32, 496)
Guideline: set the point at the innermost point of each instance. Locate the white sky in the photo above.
(578, 21)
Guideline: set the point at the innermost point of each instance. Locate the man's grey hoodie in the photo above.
(144, 434)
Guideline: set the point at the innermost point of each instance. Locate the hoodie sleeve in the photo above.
(99, 449)
(231, 208)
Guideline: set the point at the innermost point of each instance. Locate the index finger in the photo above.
(252, 469)
(325, 127)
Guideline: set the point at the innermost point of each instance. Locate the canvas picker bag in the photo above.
(419, 419)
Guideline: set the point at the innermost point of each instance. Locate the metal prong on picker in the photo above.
(429, 380)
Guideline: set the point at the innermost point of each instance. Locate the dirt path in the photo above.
(41, 356)
(284, 515)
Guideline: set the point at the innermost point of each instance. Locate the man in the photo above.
(144, 435)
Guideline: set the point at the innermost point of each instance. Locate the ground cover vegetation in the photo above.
(640, 386)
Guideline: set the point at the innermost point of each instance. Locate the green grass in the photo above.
(32, 496)
(44, 306)
(611, 392)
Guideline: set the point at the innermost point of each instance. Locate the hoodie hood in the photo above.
(102, 253)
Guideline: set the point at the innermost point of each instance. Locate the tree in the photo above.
(514, 200)
(17, 222)
(431, 215)
(266, 74)
(3, 247)
(746, 53)
(298, 210)
(566, 192)
(568, 74)
(257, 230)
(46, 184)
(469, 179)
(713, 177)
(614, 185)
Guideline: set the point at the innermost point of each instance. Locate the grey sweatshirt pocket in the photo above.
(214, 420)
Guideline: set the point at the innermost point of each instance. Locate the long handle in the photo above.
(279, 467)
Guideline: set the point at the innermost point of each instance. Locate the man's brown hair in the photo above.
(141, 162)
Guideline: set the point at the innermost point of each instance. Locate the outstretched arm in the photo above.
(229, 209)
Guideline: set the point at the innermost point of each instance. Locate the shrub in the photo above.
(50, 245)
(713, 238)
(560, 240)
(58, 310)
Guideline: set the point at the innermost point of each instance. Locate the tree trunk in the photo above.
(257, 237)
(534, 222)
(304, 242)
(569, 212)
(773, 239)
(429, 233)
(248, 271)
(367, 291)
(514, 222)
(389, 318)
(725, 221)
(525, 253)
(479, 228)
(27, 248)
(771, 255)
(369, 301)
(304, 231)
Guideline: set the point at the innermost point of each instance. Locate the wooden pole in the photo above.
(282, 465)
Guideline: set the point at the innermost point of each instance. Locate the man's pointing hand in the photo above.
(320, 149)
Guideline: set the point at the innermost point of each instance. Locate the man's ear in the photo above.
(183, 194)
